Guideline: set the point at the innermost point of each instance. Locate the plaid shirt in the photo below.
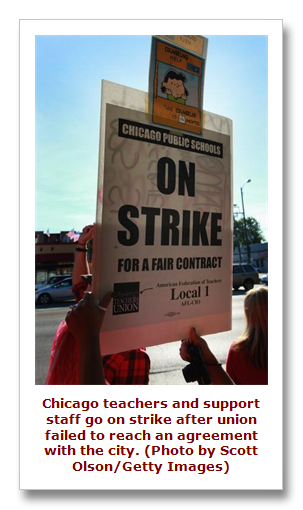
(129, 367)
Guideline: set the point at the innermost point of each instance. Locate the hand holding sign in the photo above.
(84, 322)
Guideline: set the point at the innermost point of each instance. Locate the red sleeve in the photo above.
(130, 367)
(230, 364)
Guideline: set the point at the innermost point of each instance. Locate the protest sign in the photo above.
(176, 81)
(193, 43)
(164, 230)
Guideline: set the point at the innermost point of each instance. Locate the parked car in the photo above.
(51, 280)
(59, 291)
(264, 279)
(244, 275)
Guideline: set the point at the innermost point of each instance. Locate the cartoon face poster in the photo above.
(176, 81)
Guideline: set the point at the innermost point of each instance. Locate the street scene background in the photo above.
(166, 364)
(68, 72)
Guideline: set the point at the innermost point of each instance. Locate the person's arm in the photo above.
(84, 321)
(80, 264)
(216, 372)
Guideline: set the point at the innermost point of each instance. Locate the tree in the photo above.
(253, 229)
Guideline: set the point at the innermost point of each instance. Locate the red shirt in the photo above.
(129, 367)
(243, 372)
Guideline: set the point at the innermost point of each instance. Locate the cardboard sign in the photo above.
(193, 43)
(176, 81)
(165, 245)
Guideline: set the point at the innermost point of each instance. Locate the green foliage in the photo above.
(253, 228)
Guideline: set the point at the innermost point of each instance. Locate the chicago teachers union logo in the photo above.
(126, 298)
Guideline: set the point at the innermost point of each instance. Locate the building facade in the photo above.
(54, 255)
(258, 256)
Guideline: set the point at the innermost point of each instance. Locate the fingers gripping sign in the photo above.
(87, 234)
(84, 321)
(86, 318)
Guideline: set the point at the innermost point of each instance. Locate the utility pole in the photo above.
(244, 219)
(236, 234)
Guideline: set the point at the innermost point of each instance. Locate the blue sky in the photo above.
(69, 70)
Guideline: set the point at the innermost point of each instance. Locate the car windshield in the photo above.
(65, 283)
(249, 268)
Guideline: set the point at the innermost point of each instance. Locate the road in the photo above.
(166, 365)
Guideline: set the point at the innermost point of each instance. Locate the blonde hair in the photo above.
(254, 340)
